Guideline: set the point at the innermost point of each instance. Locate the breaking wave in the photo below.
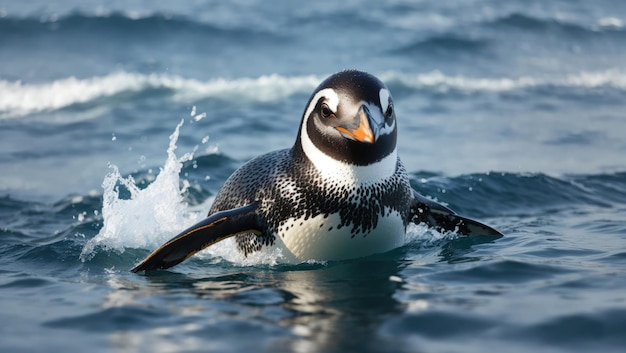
(19, 99)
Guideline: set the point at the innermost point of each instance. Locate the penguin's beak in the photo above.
(363, 128)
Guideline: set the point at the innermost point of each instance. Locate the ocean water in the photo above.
(120, 120)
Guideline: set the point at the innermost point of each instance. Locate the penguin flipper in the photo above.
(444, 219)
(214, 228)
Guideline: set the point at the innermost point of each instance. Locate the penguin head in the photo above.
(350, 118)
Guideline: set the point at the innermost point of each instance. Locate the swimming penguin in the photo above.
(340, 192)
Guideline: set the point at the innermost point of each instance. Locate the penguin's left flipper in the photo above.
(214, 228)
(444, 219)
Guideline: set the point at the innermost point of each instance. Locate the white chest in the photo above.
(323, 238)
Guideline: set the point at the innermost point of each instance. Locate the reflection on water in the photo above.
(335, 305)
(314, 307)
(323, 306)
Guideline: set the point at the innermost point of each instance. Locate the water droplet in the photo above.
(199, 117)
(396, 279)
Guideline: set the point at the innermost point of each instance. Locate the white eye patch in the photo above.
(332, 100)
(384, 99)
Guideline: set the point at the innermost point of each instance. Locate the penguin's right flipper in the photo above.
(214, 228)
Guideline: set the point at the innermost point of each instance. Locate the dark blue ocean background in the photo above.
(120, 120)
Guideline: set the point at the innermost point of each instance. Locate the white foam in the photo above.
(20, 99)
(422, 235)
(436, 80)
(613, 22)
(227, 250)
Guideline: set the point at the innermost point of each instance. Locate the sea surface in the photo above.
(120, 120)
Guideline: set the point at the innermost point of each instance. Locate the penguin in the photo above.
(340, 192)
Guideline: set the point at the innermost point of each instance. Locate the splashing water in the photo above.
(150, 216)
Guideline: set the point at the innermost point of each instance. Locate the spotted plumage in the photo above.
(290, 187)
(340, 192)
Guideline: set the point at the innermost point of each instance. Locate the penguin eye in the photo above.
(325, 111)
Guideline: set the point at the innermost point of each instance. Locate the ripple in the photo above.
(589, 330)
(113, 319)
(439, 325)
(445, 44)
(26, 283)
(502, 272)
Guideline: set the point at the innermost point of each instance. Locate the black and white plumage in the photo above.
(340, 192)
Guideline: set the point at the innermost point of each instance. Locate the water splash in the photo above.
(152, 216)
(226, 250)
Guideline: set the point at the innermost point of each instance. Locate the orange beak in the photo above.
(363, 132)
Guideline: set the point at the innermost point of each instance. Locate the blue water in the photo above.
(509, 112)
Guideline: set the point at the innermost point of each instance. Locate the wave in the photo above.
(19, 99)
(439, 82)
(535, 24)
(445, 43)
(473, 39)
(519, 194)
(121, 25)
